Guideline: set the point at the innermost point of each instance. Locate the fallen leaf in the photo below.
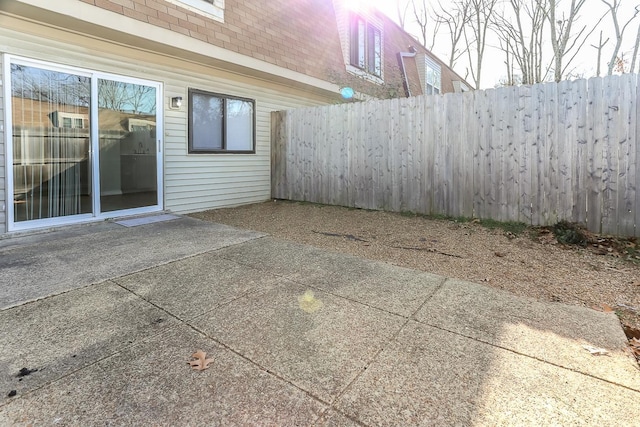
(201, 362)
(595, 350)
(607, 308)
(634, 345)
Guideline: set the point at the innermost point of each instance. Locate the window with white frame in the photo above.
(220, 123)
(365, 47)
(210, 8)
(433, 77)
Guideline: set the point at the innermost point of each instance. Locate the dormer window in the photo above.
(365, 46)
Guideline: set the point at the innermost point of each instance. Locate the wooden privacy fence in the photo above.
(535, 154)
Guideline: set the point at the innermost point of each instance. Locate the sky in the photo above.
(585, 62)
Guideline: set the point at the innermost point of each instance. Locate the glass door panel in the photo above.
(127, 143)
(50, 147)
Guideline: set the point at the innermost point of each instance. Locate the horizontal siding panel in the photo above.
(225, 201)
(217, 182)
(214, 201)
(206, 178)
(227, 188)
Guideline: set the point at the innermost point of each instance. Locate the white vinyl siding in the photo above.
(430, 74)
(191, 182)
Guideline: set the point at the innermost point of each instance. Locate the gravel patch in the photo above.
(519, 264)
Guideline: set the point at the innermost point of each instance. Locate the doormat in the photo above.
(134, 222)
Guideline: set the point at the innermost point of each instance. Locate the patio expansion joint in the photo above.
(256, 364)
(391, 339)
(334, 294)
(529, 356)
(114, 279)
(186, 322)
(32, 301)
(116, 351)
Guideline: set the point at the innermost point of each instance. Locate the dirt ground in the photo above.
(527, 262)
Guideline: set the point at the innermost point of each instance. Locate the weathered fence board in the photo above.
(536, 154)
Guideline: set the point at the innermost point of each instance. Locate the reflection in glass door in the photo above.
(82, 144)
(50, 143)
(127, 139)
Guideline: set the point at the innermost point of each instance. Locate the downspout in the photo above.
(401, 56)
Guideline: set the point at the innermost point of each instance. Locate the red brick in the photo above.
(167, 18)
(230, 46)
(124, 3)
(159, 22)
(157, 6)
(196, 20)
(146, 10)
(179, 29)
(136, 15)
(223, 37)
(198, 36)
(177, 13)
(188, 25)
(206, 31)
(106, 4)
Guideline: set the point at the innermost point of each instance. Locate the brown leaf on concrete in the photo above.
(200, 362)
(607, 308)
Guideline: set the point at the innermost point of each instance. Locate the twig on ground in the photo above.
(346, 236)
(413, 248)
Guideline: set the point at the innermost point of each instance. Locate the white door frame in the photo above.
(94, 150)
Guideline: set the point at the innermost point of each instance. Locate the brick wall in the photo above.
(301, 35)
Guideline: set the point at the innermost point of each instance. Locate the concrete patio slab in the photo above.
(38, 268)
(334, 418)
(320, 343)
(434, 377)
(61, 334)
(554, 333)
(150, 383)
(299, 336)
(394, 289)
(196, 285)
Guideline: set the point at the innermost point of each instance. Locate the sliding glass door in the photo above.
(51, 143)
(128, 154)
(84, 145)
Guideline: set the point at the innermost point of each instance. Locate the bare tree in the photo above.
(522, 32)
(421, 15)
(614, 6)
(520, 29)
(455, 16)
(50, 86)
(475, 34)
(142, 99)
(599, 47)
(634, 57)
(402, 10)
(561, 33)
